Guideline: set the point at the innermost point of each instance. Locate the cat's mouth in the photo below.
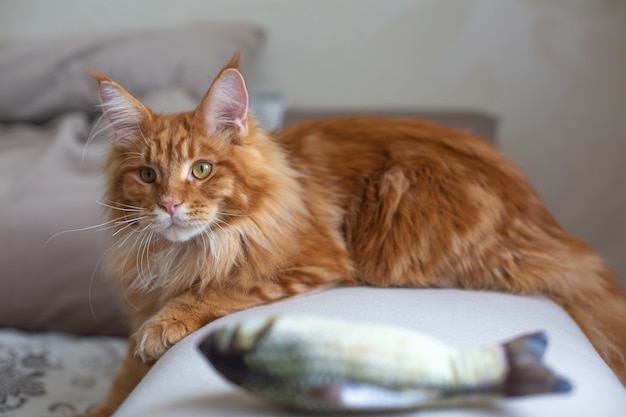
(176, 228)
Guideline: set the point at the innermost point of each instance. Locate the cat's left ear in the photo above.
(225, 105)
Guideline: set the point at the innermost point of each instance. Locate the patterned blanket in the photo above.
(53, 374)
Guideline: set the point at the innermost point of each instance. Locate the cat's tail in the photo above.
(600, 311)
(527, 373)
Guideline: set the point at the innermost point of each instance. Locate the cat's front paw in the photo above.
(157, 335)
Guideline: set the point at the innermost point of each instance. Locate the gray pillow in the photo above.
(40, 80)
(50, 183)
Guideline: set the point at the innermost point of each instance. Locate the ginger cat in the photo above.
(215, 215)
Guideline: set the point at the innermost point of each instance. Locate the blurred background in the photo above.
(553, 73)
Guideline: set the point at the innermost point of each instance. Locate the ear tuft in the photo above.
(225, 106)
(234, 62)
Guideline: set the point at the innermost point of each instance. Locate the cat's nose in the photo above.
(170, 206)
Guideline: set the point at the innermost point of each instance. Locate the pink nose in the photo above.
(170, 206)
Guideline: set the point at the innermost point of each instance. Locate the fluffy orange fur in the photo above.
(349, 201)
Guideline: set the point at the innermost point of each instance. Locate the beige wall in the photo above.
(554, 71)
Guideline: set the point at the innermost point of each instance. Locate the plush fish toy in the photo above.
(320, 364)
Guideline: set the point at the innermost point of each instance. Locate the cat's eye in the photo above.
(147, 174)
(201, 170)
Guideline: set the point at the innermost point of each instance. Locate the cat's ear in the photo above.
(123, 111)
(225, 105)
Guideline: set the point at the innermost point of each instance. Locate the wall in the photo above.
(554, 71)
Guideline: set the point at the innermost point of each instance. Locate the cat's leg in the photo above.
(194, 308)
(181, 316)
(130, 373)
(385, 236)
(188, 312)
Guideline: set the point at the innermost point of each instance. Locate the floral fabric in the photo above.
(55, 375)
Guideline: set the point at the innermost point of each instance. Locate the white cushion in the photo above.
(183, 384)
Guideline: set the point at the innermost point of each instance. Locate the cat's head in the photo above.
(184, 174)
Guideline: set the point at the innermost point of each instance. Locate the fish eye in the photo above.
(201, 170)
(147, 175)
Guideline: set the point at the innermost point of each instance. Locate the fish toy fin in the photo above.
(527, 374)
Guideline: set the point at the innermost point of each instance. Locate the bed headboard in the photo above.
(479, 123)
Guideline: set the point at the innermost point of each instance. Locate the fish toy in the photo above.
(327, 365)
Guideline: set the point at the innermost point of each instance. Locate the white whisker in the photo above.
(211, 241)
(147, 253)
(97, 129)
(129, 225)
(138, 251)
(100, 226)
(217, 222)
(123, 265)
(91, 281)
(141, 253)
(223, 213)
(120, 206)
(204, 256)
(133, 231)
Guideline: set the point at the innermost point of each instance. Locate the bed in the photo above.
(62, 333)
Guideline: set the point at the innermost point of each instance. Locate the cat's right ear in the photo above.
(123, 111)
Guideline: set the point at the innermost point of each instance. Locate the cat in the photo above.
(215, 215)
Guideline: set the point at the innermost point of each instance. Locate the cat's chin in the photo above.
(178, 234)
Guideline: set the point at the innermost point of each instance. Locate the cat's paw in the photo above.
(157, 335)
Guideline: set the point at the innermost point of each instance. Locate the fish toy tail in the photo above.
(527, 374)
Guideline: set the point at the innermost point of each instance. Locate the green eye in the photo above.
(148, 175)
(201, 170)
